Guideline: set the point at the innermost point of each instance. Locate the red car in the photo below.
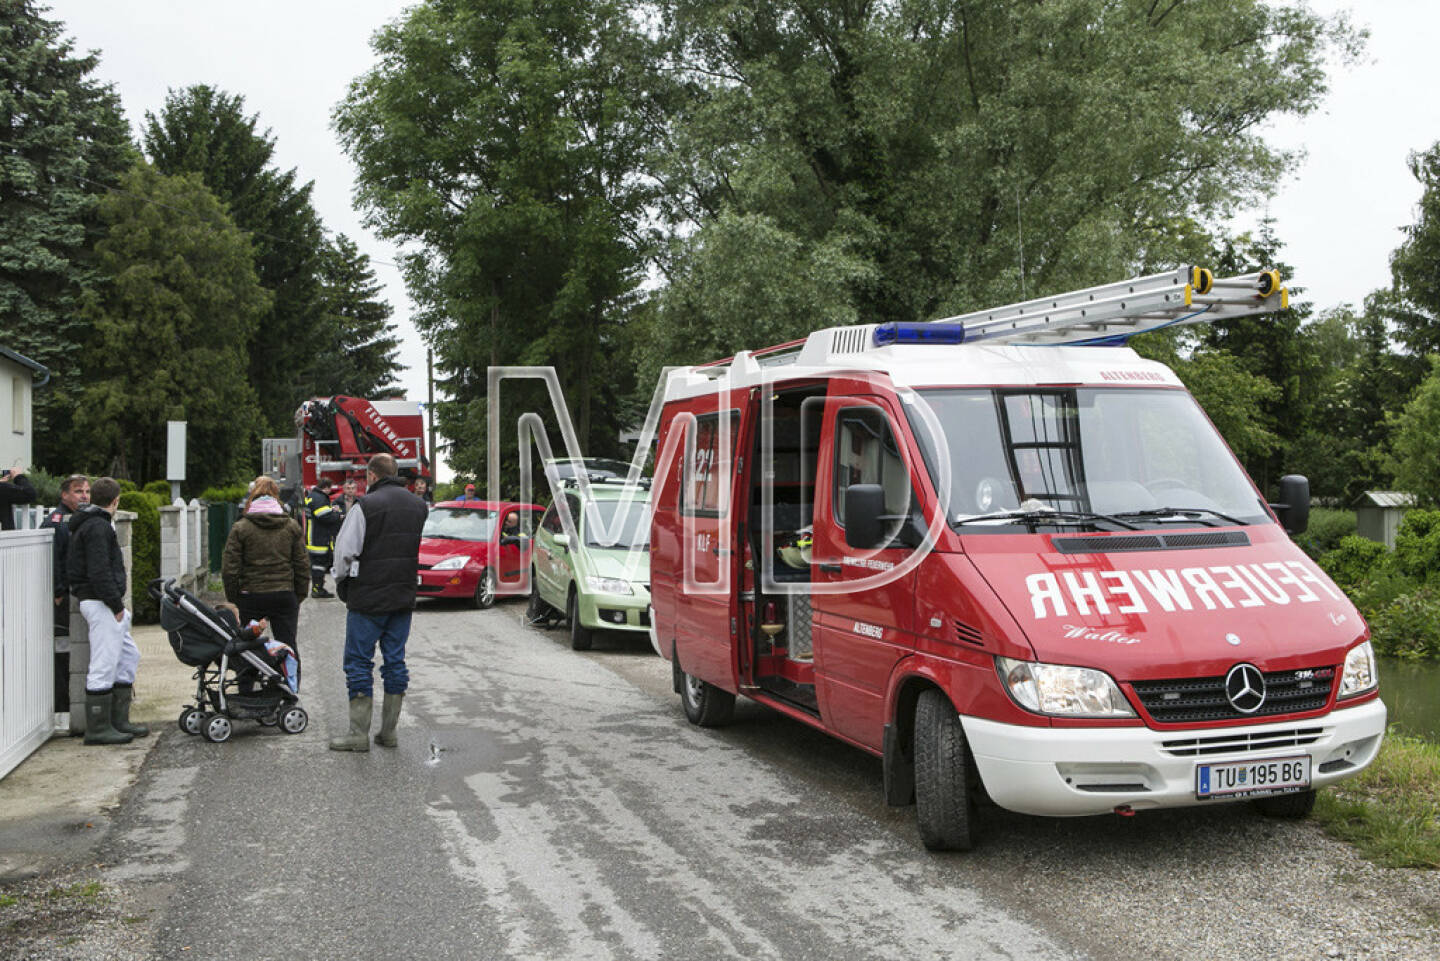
(476, 549)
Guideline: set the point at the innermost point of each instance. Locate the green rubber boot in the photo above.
(361, 710)
(98, 729)
(389, 718)
(120, 712)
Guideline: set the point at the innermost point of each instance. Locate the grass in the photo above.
(1390, 812)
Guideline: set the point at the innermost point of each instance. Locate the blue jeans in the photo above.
(362, 633)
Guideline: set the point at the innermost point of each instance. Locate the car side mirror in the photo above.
(1294, 507)
(562, 540)
(864, 503)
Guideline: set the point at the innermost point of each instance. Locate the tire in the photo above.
(705, 704)
(190, 719)
(294, 720)
(537, 610)
(216, 728)
(1289, 806)
(485, 590)
(944, 793)
(581, 637)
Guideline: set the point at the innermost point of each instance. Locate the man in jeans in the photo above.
(376, 561)
(97, 578)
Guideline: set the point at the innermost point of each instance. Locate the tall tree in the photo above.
(504, 139)
(206, 131)
(63, 141)
(1413, 303)
(170, 325)
(365, 346)
(921, 157)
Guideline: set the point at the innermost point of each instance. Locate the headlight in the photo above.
(608, 585)
(1062, 690)
(452, 563)
(1359, 675)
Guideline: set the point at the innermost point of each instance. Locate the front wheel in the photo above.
(216, 728)
(485, 590)
(294, 720)
(944, 789)
(190, 719)
(1290, 806)
(580, 636)
(705, 704)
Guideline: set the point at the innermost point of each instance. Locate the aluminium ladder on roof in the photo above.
(1183, 296)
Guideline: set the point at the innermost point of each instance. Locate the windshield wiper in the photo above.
(1188, 513)
(1045, 517)
(442, 537)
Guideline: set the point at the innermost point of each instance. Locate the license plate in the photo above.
(1252, 778)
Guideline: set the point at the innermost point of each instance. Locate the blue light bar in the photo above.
(919, 333)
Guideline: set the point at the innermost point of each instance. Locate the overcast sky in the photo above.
(1339, 217)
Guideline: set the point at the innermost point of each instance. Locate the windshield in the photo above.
(623, 529)
(460, 524)
(1129, 453)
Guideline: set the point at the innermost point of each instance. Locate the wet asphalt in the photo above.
(542, 804)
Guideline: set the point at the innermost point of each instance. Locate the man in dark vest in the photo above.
(376, 562)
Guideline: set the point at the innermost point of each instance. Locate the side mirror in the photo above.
(562, 540)
(864, 503)
(1294, 507)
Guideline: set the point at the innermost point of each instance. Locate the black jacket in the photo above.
(390, 555)
(15, 489)
(95, 563)
(59, 521)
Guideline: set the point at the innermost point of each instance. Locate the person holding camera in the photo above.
(15, 490)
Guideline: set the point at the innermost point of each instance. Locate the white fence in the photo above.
(27, 645)
(185, 543)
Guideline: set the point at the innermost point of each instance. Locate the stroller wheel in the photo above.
(269, 720)
(190, 719)
(294, 720)
(216, 728)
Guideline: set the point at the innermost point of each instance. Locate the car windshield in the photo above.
(459, 524)
(1148, 457)
(608, 526)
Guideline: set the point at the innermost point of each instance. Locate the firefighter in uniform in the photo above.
(322, 521)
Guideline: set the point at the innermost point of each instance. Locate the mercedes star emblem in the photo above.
(1245, 688)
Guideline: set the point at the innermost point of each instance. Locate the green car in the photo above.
(601, 580)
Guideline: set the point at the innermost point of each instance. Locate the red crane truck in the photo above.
(336, 436)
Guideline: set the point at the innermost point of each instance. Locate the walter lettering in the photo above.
(1221, 587)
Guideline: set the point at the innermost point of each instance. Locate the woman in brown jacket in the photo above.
(265, 567)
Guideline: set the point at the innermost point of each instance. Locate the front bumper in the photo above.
(1060, 772)
(452, 583)
(616, 612)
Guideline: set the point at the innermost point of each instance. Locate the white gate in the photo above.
(27, 644)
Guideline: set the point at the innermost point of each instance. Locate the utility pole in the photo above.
(430, 413)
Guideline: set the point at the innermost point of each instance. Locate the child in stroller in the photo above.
(238, 675)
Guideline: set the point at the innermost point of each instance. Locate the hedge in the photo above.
(144, 551)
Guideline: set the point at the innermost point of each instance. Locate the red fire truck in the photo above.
(337, 436)
(1011, 558)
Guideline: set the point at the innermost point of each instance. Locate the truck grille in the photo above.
(1187, 700)
(1266, 743)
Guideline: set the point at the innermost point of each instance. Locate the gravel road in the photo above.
(551, 804)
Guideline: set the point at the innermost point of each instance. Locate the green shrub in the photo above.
(1409, 627)
(1417, 544)
(450, 491)
(1353, 560)
(1327, 528)
(126, 486)
(47, 486)
(225, 495)
(144, 551)
(160, 487)
(1380, 589)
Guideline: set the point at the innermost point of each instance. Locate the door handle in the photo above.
(831, 568)
(719, 551)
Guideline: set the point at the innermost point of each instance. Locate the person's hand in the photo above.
(119, 617)
(17, 469)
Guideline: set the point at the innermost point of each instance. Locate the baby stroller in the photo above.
(236, 677)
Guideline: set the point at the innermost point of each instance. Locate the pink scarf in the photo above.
(264, 505)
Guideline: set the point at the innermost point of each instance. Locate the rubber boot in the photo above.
(120, 712)
(389, 718)
(98, 729)
(361, 710)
